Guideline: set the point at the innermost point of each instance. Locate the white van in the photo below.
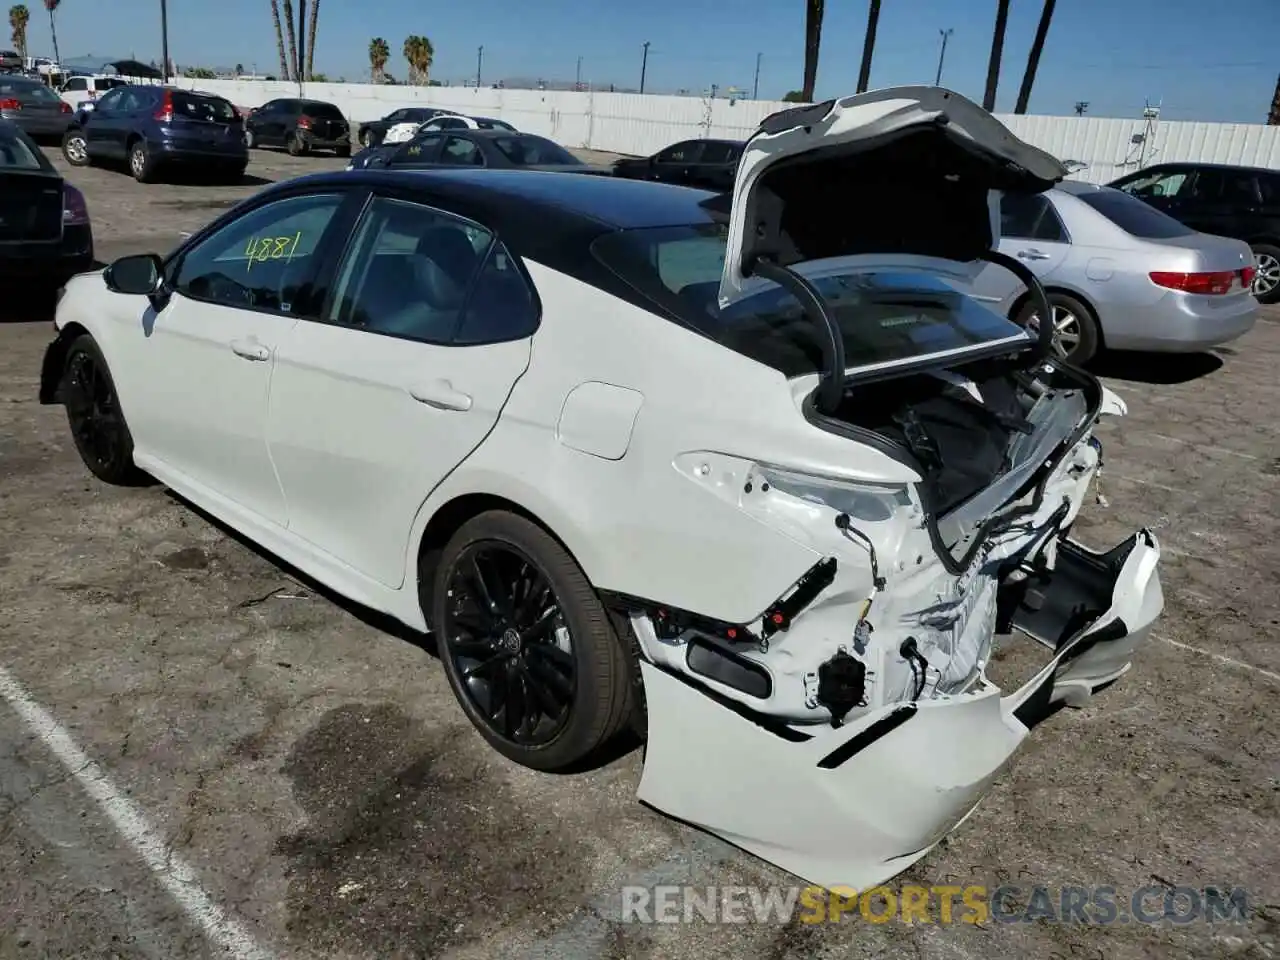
(79, 88)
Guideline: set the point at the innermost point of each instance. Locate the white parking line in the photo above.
(173, 874)
(1206, 446)
(1220, 658)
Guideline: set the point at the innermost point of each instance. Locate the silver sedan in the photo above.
(1120, 274)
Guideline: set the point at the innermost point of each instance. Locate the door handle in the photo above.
(1032, 255)
(250, 350)
(441, 395)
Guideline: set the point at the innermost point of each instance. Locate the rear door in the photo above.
(101, 129)
(1031, 231)
(1222, 201)
(404, 377)
(676, 163)
(460, 150)
(422, 152)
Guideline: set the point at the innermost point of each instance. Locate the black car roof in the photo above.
(1197, 165)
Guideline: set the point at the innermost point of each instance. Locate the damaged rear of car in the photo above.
(854, 718)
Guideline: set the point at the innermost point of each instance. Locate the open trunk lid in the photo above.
(867, 176)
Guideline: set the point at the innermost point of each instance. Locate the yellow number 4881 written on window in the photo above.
(262, 249)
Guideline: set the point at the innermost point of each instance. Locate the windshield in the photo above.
(530, 151)
(1134, 216)
(193, 106)
(884, 317)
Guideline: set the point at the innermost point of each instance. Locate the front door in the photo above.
(373, 408)
(101, 138)
(201, 366)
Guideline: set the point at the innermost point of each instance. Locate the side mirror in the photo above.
(140, 275)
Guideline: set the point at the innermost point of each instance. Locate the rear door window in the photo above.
(461, 151)
(1030, 218)
(717, 153)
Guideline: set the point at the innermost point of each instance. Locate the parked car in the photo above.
(710, 164)
(45, 233)
(75, 89)
(33, 106)
(155, 128)
(1120, 274)
(474, 148)
(708, 464)
(299, 126)
(370, 134)
(1230, 201)
(405, 131)
(10, 61)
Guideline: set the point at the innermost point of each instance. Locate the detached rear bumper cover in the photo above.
(853, 806)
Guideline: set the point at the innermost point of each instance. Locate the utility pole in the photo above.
(164, 38)
(755, 87)
(644, 65)
(302, 43)
(868, 46)
(577, 83)
(997, 50)
(479, 63)
(1273, 118)
(946, 34)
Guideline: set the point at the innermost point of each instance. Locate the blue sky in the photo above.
(1206, 61)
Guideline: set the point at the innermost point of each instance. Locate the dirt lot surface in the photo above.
(202, 750)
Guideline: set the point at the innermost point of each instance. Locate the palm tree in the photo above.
(311, 36)
(293, 42)
(275, 19)
(19, 15)
(52, 5)
(1033, 59)
(812, 41)
(419, 52)
(997, 50)
(379, 54)
(868, 46)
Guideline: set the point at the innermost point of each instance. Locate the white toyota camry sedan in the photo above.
(744, 471)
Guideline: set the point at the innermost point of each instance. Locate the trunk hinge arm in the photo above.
(831, 384)
(1044, 342)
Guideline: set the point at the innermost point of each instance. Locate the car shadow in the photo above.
(622, 744)
(1158, 368)
(29, 307)
(197, 177)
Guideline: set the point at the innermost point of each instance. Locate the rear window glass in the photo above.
(486, 124)
(27, 88)
(884, 317)
(17, 154)
(325, 111)
(1133, 216)
(529, 151)
(193, 106)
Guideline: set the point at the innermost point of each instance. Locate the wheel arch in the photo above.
(55, 361)
(1050, 289)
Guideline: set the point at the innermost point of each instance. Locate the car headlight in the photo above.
(868, 503)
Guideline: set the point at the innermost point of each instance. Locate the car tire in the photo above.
(1080, 339)
(295, 146)
(140, 163)
(98, 426)
(501, 660)
(74, 149)
(1267, 288)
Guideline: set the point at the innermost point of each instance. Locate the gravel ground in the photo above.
(308, 765)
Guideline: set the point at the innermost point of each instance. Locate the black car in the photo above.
(496, 149)
(299, 126)
(370, 134)
(1238, 202)
(710, 164)
(45, 234)
(155, 128)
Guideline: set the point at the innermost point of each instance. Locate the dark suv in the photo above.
(710, 164)
(299, 126)
(154, 127)
(1238, 202)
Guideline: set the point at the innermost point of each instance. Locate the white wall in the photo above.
(641, 124)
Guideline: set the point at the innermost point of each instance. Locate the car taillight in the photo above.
(9, 103)
(1247, 275)
(304, 123)
(1217, 282)
(75, 212)
(165, 113)
(64, 107)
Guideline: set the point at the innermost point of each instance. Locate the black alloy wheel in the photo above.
(97, 423)
(527, 646)
(509, 643)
